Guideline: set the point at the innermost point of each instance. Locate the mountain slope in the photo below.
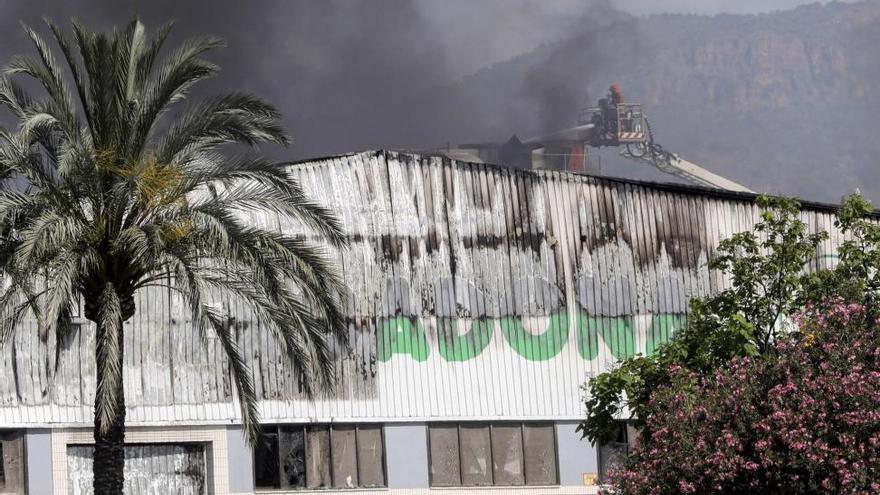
(784, 102)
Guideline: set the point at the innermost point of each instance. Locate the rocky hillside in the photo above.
(813, 54)
(785, 102)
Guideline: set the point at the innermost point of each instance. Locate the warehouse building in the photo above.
(481, 299)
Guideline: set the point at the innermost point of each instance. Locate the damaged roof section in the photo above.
(436, 237)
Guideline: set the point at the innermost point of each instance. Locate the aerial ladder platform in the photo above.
(615, 123)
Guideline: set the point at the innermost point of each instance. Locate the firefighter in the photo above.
(615, 94)
(615, 98)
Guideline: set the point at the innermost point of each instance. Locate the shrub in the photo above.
(804, 419)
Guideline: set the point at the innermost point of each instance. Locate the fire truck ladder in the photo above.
(653, 154)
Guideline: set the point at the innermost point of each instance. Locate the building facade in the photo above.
(481, 299)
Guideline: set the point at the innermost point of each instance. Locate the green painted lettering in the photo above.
(402, 335)
(456, 348)
(617, 333)
(537, 347)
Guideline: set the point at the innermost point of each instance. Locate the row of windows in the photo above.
(320, 456)
(353, 456)
(495, 454)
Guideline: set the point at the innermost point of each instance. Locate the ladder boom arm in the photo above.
(674, 165)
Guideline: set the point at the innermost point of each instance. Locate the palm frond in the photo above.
(209, 318)
(18, 299)
(73, 65)
(232, 118)
(179, 73)
(49, 235)
(234, 171)
(134, 48)
(49, 75)
(111, 207)
(94, 50)
(14, 203)
(263, 261)
(13, 97)
(63, 290)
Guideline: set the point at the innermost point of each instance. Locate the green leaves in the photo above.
(766, 269)
(859, 265)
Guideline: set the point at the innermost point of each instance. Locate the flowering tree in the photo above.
(804, 420)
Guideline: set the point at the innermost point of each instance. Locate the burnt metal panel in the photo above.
(474, 291)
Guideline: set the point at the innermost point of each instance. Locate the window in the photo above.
(11, 462)
(320, 456)
(149, 468)
(2, 468)
(610, 453)
(492, 454)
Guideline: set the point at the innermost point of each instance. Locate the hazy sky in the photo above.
(355, 74)
(706, 6)
(472, 33)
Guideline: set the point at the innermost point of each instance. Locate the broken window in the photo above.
(320, 456)
(11, 462)
(611, 452)
(370, 455)
(266, 472)
(495, 454)
(150, 468)
(507, 455)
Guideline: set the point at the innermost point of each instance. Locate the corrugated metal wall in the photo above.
(476, 291)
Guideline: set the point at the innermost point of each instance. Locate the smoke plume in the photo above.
(351, 75)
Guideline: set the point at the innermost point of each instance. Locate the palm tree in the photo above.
(107, 192)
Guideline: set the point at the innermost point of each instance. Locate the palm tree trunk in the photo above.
(109, 457)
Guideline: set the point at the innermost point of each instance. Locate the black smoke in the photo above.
(352, 75)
